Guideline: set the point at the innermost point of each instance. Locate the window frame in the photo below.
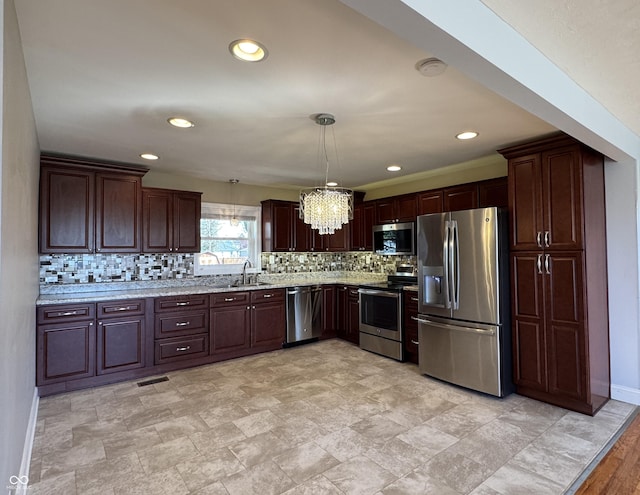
(209, 210)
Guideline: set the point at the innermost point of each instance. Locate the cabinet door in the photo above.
(357, 242)
(430, 202)
(562, 198)
(120, 344)
(385, 210)
(464, 197)
(525, 202)
(368, 216)
(339, 240)
(65, 351)
(300, 231)
(118, 213)
(66, 210)
(529, 342)
(328, 311)
(281, 227)
(406, 208)
(157, 223)
(186, 222)
(353, 323)
(411, 327)
(268, 324)
(494, 192)
(565, 330)
(230, 329)
(342, 311)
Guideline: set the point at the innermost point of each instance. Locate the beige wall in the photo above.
(18, 250)
(245, 194)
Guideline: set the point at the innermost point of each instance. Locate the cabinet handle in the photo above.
(229, 299)
(68, 313)
(253, 307)
(248, 307)
(183, 324)
(539, 239)
(353, 292)
(181, 349)
(267, 295)
(546, 264)
(122, 308)
(547, 238)
(183, 303)
(414, 299)
(539, 264)
(415, 342)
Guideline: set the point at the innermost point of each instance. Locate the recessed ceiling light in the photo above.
(248, 50)
(149, 156)
(394, 168)
(332, 184)
(467, 135)
(180, 122)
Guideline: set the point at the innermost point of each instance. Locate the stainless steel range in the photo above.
(381, 315)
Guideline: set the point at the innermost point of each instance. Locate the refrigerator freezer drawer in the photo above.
(468, 356)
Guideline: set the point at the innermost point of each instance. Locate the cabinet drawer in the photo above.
(171, 303)
(269, 295)
(177, 349)
(127, 307)
(186, 323)
(229, 298)
(65, 312)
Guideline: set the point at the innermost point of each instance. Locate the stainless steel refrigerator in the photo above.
(463, 287)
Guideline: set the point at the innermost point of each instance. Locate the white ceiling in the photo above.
(105, 76)
(595, 42)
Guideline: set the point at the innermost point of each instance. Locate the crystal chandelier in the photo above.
(326, 208)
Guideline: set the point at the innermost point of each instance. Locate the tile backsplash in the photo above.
(92, 268)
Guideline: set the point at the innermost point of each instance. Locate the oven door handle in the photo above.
(373, 292)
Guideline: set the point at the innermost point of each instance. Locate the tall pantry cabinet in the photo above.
(558, 273)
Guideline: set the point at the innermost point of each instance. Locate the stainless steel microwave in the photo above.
(394, 238)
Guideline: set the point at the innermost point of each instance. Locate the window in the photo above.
(229, 236)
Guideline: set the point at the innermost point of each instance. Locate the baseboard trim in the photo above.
(23, 488)
(625, 394)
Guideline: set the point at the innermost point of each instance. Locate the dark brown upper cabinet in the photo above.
(463, 197)
(362, 226)
(430, 202)
(171, 221)
(282, 227)
(88, 206)
(493, 192)
(402, 208)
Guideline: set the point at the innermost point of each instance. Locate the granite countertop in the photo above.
(111, 291)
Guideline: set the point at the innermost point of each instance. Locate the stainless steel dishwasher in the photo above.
(304, 313)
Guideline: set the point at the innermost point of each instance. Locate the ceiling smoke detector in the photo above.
(431, 67)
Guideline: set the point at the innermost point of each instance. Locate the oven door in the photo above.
(381, 313)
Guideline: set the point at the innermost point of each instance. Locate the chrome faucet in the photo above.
(244, 271)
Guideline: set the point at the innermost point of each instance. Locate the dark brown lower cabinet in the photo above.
(230, 329)
(552, 358)
(328, 312)
(65, 351)
(120, 344)
(410, 338)
(348, 311)
(244, 322)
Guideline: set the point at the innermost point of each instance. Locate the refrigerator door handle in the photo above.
(456, 328)
(447, 264)
(455, 247)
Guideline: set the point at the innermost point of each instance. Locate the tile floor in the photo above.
(324, 418)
